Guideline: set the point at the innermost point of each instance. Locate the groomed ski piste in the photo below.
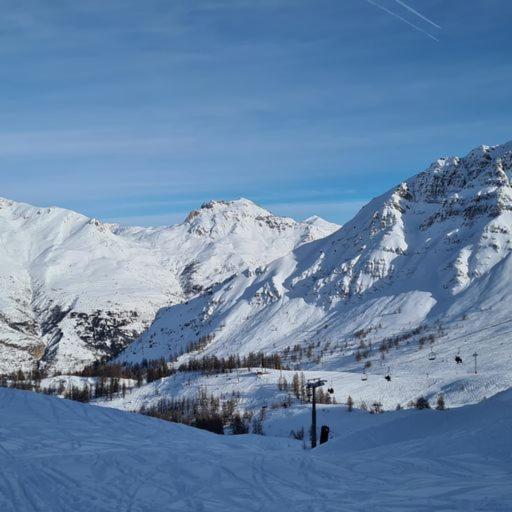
(57, 455)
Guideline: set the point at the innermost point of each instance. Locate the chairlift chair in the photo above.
(432, 356)
(330, 389)
(388, 375)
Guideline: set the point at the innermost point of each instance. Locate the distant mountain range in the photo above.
(73, 289)
(424, 268)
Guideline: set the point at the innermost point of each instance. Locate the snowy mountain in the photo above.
(73, 289)
(59, 455)
(425, 267)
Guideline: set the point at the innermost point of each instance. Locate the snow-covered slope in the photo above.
(429, 261)
(60, 456)
(73, 289)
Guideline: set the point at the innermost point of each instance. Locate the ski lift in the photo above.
(388, 376)
(458, 359)
(364, 376)
(432, 356)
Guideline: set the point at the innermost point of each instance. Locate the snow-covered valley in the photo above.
(418, 279)
(409, 301)
(237, 309)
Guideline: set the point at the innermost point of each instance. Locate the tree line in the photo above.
(214, 364)
(207, 412)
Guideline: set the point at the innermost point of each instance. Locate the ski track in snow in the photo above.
(62, 456)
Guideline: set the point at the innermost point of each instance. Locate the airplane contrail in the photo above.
(394, 14)
(414, 11)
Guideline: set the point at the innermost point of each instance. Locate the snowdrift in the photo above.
(58, 456)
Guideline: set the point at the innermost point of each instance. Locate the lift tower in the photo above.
(311, 386)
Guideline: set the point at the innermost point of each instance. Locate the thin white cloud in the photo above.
(85, 142)
(401, 18)
(417, 13)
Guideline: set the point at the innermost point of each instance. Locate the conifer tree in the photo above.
(296, 385)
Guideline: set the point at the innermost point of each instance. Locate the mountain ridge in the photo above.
(75, 289)
(428, 260)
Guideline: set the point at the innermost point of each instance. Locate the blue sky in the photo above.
(137, 112)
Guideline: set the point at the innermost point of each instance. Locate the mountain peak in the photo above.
(496, 151)
(483, 170)
(235, 205)
(215, 211)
